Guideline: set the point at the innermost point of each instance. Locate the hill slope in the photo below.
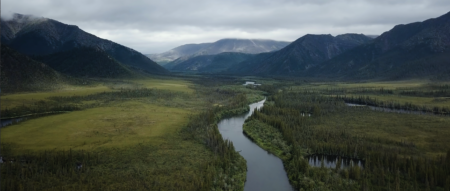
(86, 62)
(21, 73)
(41, 36)
(212, 63)
(420, 49)
(249, 46)
(301, 55)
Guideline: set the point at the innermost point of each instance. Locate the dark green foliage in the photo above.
(20, 73)
(86, 62)
(387, 167)
(366, 100)
(134, 168)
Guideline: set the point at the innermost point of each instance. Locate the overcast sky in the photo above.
(159, 25)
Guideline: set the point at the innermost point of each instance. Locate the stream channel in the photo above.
(264, 170)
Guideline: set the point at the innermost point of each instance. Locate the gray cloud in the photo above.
(157, 26)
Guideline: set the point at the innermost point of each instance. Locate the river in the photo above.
(264, 170)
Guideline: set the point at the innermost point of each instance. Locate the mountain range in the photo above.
(249, 46)
(38, 50)
(420, 49)
(211, 63)
(301, 55)
(38, 36)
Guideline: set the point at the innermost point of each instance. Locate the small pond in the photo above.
(389, 110)
(251, 83)
(7, 122)
(330, 161)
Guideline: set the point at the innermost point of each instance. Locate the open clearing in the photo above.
(118, 125)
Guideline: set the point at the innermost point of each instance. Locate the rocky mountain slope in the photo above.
(420, 49)
(32, 35)
(301, 55)
(212, 63)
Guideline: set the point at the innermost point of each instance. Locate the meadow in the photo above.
(128, 135)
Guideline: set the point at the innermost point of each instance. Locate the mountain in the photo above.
(249, 46)
(212, 63)
(181, 51)
(420, 49)
(86, 62)
(21, 73)
(39, 36)
(372, 36)
(301, 55)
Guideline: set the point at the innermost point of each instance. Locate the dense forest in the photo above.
(388, 165)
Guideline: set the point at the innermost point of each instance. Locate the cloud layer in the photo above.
(157, 26)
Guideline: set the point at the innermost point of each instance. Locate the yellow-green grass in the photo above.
(167, 84)
(14, 100)
(118, 125)
(429, 133)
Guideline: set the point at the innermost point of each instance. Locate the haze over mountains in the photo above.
(47, 50)
(32, 35)
(249, 46)
(210, 63)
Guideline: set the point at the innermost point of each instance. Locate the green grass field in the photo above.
(140, 141)
(117, 125)
(14, 100)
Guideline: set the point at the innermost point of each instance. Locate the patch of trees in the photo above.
(388, 165)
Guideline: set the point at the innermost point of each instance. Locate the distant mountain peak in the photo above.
(249, 46)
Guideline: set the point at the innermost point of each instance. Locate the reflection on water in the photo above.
(330, 161)
(251, 83)
(264, 170)
(6, 122)
(383, 109)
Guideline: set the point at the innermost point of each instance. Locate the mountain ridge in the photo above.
(39, 36)
(21, 73)
(406, 51)
(249, 46)
(302, 54)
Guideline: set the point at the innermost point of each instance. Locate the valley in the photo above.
(323, 112)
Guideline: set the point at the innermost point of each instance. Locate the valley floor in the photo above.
(129, 135)
(161, 134)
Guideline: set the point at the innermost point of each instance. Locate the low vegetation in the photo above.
(129, 138)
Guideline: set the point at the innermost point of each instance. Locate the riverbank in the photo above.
(335, 129)
(134, 138)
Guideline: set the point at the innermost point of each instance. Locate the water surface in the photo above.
(264, 170)
(330, 161)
